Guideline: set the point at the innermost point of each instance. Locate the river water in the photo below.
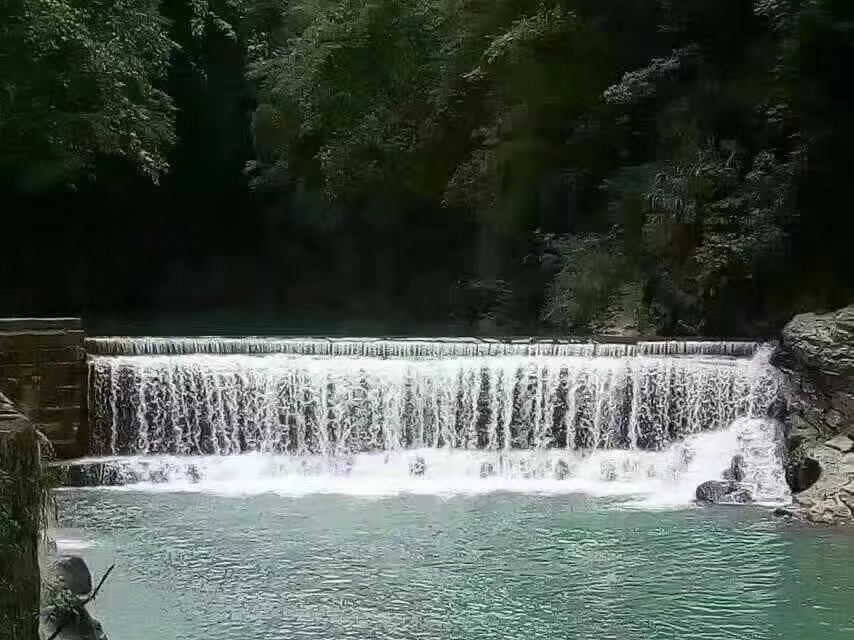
(442, 489)
(505, 565)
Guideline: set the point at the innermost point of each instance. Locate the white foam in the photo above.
(650, 479)
(72, 544)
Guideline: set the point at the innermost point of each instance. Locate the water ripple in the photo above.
(486, 567)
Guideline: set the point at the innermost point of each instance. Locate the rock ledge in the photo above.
(817, 356)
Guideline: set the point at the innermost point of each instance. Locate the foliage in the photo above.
(444, 112)
(706, 220)
(575, 165)
(24, 500)
(80, 78)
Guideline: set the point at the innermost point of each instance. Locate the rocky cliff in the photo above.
(816, 354)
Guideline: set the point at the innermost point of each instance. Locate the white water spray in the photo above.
(350, 416)
(666, 478)
(222, 405)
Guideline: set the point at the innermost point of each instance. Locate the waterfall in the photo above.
(412, 347)
(342, 397)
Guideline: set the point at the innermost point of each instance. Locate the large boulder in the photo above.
(726, 492)
(816, 354)
(822, 342)
(74, 573)
(65, 593)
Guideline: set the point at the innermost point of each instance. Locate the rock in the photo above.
(487, 470)
(785, 512)
(159, 475)
(833, 419)
(841, 443)
(609, 471)
(723, 492)
(800, 429)
(829, 511)
(736, 471)
(711, 491)
(417, 467)
(829, 499)
(817, 355)
(76, 622)
(802, 472)
(777, 409)
(562, 470)
(846, 495)
(95, 474)
(74, 573)
(67, 584)
(822, 342)
(193, 474)
(843, 402)
(814, 414)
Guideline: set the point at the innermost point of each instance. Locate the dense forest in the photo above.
(427, 166)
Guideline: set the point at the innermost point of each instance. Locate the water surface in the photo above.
(323, 567)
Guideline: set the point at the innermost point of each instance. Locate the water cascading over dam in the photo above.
(185, 407)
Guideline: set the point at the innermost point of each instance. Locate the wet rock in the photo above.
(609, 471)
(562, 470)
(159, 475)
(841, 443)
(417, 467)
(723, 492)
(64, 616)
(787, 512)
(95, 474)
(686, 456)
(74, 573)
(487, 470)
(193, 474)
(833, 419)
(736, 470)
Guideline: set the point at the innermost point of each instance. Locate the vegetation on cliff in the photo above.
(24, 498)
(504, 167)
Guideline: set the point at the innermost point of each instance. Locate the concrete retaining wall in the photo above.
(43, 371)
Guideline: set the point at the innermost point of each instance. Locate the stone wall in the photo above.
(817, 355)
(43, 370)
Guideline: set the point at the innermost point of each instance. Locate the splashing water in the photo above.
(665, 478)
(221, 405)
(644, 420)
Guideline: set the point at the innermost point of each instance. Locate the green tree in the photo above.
(81, 78)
